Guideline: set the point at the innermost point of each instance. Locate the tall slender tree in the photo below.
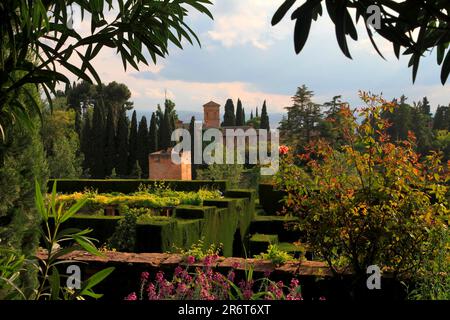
(239, 119)
(98, 142)
(160, 122)
(192, 132)
(264, 117)
(110, 144)
(243, 116)
(153, 134)
(86, 142)
(166, 131)
(142, 146)
(132, 143)
(122, 149)
(229, 118)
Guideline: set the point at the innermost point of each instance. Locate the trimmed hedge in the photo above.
(223, 220)
(276, 225)
(132, 185)
(270, 199)
(102, 227)
(157, 235)
(259, 243)
(193, 212)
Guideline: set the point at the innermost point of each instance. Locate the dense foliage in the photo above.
(35, 37)
(369, 202)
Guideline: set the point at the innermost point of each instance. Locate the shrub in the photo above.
(433, 280)
(370, 202)
(275, 255)
(197, 251)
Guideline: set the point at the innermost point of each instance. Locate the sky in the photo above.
(243, 56)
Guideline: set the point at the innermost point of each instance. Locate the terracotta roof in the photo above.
(211, 104)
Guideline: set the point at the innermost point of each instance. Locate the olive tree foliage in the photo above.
(414, 26)
(37, 42)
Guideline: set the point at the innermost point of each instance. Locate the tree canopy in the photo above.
(38, 40)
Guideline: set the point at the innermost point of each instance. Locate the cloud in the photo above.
(246, 22)
(242, 56)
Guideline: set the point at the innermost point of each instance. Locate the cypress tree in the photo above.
(159, 121)
(166, 132)
(142, 146)
(239, 119)
(78, 123)
(121, 166)
(251, 115)
(153, 134)
(132, 143)
(86, 143)
(98, 143)
(191, 131)
(243, 116)
(264, 117)
(229, 118)
(110, 144)
(257, 115)
(136, 171)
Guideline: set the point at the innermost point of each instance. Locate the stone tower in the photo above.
(211, 115)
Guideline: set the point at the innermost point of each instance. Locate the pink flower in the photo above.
(236, 265)
(190, 260)
(160, 277)
(231, 275)
(207, 261)
(294, 283)
(151, 291)
(178, 271)
(248, 293)
(182, 288)
(132, 297)
(144, 276)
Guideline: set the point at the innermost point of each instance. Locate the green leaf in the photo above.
(39, 200)
(92, 294)
(440, 53)
(95, 279)
(54, 280)
(445, 71)
(302, 27)
(87, 245)
(73, 209)
(341, 25)
(281, 11)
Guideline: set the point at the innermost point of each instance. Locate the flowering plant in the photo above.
(370, 201)
(283, 150)
(207, 284)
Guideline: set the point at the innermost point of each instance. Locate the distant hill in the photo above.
(185, 116)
